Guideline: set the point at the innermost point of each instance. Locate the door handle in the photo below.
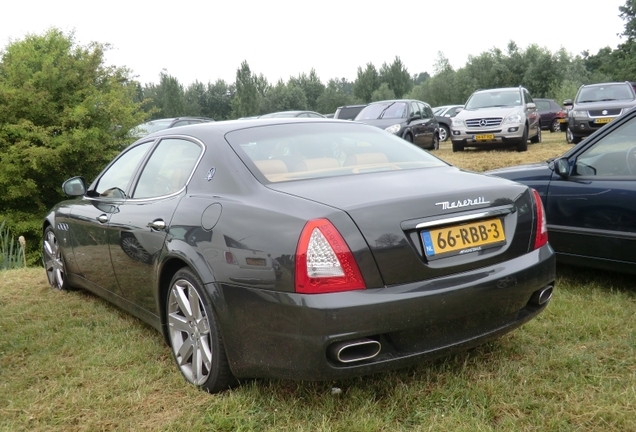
(102, 218)
(157, 225)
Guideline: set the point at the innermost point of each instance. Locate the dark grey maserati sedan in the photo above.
(303, 249)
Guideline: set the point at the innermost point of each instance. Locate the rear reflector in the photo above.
(324, 262)
(541, 236)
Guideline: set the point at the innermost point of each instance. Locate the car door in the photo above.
(138, 229)
(416, 124)
(532, 114)
(89, 218)
(592, 212)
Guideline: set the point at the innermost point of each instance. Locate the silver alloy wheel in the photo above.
(555, 126)
(53, 262)
(443, 134)
(569, 137)
(189, 331)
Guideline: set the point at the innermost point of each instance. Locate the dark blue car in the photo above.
(589, 195)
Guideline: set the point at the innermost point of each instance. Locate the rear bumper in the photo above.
(287, 335)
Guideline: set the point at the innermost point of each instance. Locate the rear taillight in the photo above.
(541, 236)
(324, 262)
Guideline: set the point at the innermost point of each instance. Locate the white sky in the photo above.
(208, 40)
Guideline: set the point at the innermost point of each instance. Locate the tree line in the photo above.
(63, 111)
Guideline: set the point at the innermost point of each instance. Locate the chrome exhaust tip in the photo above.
(354, 350)
(542, 296)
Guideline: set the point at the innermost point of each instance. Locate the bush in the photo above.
(11, 252)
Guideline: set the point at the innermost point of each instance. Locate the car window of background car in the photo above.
(527, 97)
(396, 111)
(608, 156)
(427, 112)
(292, 152)
(605, 93)
(168, 168)
(415, 109)
(119, 174)
(543, 105)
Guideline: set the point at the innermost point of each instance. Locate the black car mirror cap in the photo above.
(75, 186)
(562, 167)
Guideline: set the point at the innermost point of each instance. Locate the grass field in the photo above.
(70, 361)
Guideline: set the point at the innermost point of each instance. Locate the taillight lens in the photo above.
(324, 262)
(541, 236)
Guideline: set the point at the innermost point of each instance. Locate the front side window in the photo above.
(612, 155)
(168, 168)
(114, 182)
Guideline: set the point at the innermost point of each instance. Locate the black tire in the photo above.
(54, 261)
(444, 132)
(408, 137)
(193, 334)
(458, 147)
(576, 139)
(555, 126)
(522, 145)
(537, 138)
(435, 142)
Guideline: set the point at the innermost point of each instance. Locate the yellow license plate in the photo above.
(484, 137)
(255, 261)
(603, 120)
(461, 239)
(561, 120)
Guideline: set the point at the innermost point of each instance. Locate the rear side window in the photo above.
(299, 151)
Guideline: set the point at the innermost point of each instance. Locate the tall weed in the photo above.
(11, 252)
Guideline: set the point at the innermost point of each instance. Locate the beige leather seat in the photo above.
(365, 159)
(271, 166)
(317, 164)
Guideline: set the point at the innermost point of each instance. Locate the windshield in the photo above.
(605, 92)
(496, 98)
(384, 110)
(316, 150)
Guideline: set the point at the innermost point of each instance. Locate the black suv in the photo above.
(596, 105)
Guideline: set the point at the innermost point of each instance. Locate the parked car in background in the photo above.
(348, 112)
(444, 115)
(595, 105)
(374, 259)
(552, 115)
(410, 119)
(497, 117)
(589, 195)
(290, 114)
(166, 123)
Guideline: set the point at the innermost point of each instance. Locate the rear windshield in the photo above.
(606, 92)
(286, 152)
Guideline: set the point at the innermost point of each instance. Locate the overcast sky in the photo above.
(207, 40)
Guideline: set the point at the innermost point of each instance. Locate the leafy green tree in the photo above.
(366, 83)
(63, 112)
(283, 97)
(628, 14)
(218, 100)
(397, 77)
(335, 95)
(420, 78)
(382, 93)
(250, 89)
(311, 86)
(167, 97)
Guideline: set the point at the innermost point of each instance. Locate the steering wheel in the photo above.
(631, 160)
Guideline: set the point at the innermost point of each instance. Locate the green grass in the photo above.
(70, 361)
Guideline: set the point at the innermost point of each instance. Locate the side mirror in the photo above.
(568, 102)
(562, 168)
(75, 186)
(531, 105)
